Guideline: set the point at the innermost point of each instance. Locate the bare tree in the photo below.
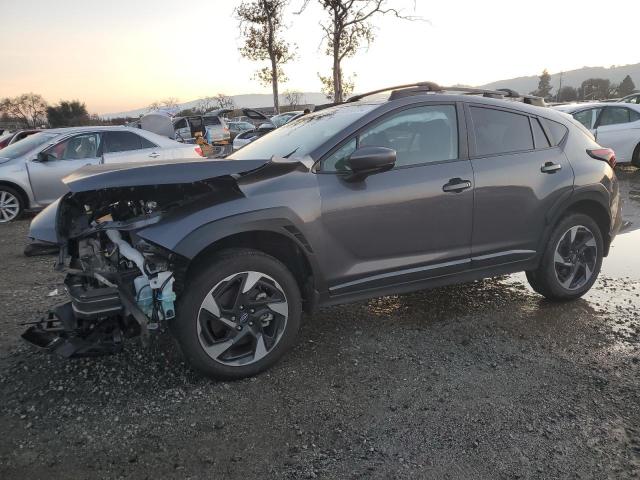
(261, 23)
(346, 30)
(224, 101)
(293, 97)
(206, 104)
(167, 103)
(170, 102)
(31, 108)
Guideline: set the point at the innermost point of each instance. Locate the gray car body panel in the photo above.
(395, 231)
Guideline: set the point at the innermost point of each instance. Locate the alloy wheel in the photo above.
(242, 318)
(9, 206)
(575, 257)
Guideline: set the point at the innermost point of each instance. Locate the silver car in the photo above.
(613, 124)
(31, 170)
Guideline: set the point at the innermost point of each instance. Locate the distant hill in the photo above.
(241, 101)
(573, 78)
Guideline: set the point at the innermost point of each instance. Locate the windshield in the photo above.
(279, 120)
(23, 146)
(303, 135)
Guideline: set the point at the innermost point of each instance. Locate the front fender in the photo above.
(43, 226)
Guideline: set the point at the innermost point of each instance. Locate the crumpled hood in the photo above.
(98, 177)
(89, 180)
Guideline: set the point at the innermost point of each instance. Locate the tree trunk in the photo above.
(337, 73)
(274, 84)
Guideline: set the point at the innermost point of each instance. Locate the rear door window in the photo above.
(121, 142)
(614, 116)
(498, 131)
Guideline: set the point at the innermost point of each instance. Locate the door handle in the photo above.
(154, 155)
(550, 167)
(456, 185)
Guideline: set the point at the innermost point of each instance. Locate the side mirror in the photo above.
(42, 157)
(366, 161)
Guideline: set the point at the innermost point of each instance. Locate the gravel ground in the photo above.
(483, 380)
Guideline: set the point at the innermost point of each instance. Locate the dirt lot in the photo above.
(484, 380)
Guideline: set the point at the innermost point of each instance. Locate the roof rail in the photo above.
(423, 86)
(400, 91)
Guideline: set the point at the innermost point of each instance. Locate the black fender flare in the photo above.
(597, 193)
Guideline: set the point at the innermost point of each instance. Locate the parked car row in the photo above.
(32, 169)
(265, 125)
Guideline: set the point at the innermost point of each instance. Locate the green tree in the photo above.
(595, 89)
(626, 86)
(567, 94)
(68, 114)
(262, 26)
(544, 85)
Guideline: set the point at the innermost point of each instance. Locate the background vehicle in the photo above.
(367, 198)
(217, 130)
(615, 125)
(632, 98)
(14, 137)
(266, 125)
(31, 170)
(236, 128)
(282, 118)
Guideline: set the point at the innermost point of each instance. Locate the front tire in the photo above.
(571, 260)
(238, 315)
(11, 204)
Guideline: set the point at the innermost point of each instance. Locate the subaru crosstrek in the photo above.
(427, 186)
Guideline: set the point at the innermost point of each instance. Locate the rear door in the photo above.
(124, 147)
(519, 174)
(619, 129)
(407, 224)
(59, 160)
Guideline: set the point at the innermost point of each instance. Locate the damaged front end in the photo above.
(121, 285)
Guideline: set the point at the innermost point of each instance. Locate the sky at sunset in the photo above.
(117, 55)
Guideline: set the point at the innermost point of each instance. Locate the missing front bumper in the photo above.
(60, 333)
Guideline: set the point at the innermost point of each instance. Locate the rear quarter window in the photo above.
(558, 131)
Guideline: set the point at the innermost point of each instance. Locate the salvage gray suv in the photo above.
(376, 196)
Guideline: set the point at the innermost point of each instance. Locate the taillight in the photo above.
(199, 151)
(604, 154)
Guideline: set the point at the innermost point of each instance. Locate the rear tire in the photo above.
(571, 260)
(238, 315)
(11, 204)
(635, 159)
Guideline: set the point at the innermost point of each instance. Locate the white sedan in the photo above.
(31, 170)
(615, 125)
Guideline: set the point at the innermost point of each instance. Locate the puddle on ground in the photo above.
(624, 256)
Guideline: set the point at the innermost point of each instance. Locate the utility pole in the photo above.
(559, 88)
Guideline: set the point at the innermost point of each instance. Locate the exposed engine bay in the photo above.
(120, 284)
